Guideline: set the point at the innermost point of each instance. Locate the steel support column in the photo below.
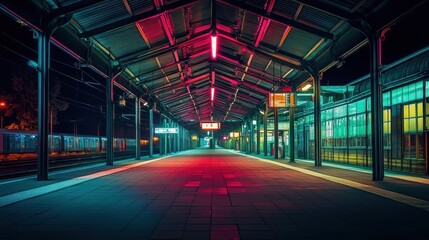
(250, 131)
(258, 134)
(110, 115)
(109, 120)
(377, 146)
(425, 126)
(176, 137)
(265, 131)
(164, 138)
(276, 133)
(377, 154)
(179, 137)
(138, 126)
(150, 132)
(292, 128)
(43, 59)
(43, 97)
(312, 69)
(317, 120)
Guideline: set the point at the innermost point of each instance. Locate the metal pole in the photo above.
(292, 130)
(258, 135)
(43, 98)
(266, 132)
(165, 138)
(276, 134)
(377, 154)
(317, 120)
(151, 132)
(138, 125)
(109, 118)
(250, 131)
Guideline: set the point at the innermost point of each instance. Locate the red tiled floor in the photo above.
(211, 194)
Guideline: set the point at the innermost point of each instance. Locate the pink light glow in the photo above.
(213, 92)
(214, 45)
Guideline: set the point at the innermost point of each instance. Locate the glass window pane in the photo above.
(419, 109)
(413, 126)
(420, 124)
(412, 110)
(427, 88)
(406, 125)
(405, 94)
(386, 99)
(406, 111)
(427, 122)
(397, 96)
(419, 90)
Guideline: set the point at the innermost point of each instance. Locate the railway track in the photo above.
(17, 168)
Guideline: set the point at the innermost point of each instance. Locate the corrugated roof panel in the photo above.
(153, 30)
(122, 41)
(265, 84)
(273, 34)
(251, 26)
(286, 8)
(148, 65)
(257, 3)
(258, 62)
(177, 20)
(228, 17)
(299, 42)
(317, 19)
(140, 6)
(101, 14)
(167, 58)
(201, 16)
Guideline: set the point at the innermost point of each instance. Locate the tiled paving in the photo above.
(216, 194)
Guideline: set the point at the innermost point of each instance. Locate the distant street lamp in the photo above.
(3, 105)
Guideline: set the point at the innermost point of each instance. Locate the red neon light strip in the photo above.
(214, 45)
(213, 92)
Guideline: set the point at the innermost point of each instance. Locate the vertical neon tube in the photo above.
(214, 45)
(213, 92)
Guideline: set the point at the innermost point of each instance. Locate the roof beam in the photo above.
(281, 20)
(146, 15)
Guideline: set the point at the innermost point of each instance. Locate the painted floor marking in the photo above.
(412, 201)
(35, 192)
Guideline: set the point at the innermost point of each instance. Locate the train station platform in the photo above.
(214, 194)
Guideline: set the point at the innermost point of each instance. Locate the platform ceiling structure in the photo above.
(163, 48)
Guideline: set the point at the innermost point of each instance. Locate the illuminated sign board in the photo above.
(210, 125)
(277, 100)
(166, 130)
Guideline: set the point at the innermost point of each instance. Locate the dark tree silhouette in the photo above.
(22, 101)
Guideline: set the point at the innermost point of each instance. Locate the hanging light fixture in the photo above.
(214, 46)
(212, 95)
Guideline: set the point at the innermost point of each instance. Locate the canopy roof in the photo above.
(163, 47)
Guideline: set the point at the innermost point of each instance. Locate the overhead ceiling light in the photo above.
(213, 92)
(214, 46)
(306, 87)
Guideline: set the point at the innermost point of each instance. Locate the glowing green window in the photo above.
(386, 99)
